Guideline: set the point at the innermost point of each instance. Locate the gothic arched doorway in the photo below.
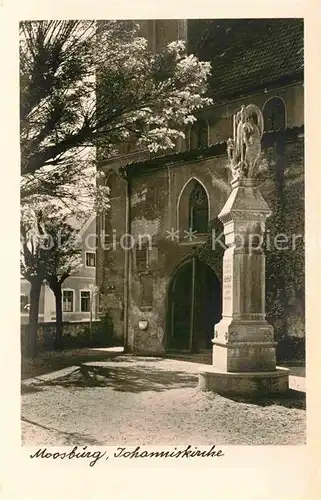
(194, 307)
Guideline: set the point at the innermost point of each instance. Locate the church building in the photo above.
(160, 278)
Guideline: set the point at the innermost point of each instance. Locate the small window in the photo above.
(198, 209)
(24, 302)
(67, 300)
(90, 259)
(85, 301)
(274, 115)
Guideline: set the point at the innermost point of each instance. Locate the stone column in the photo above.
(243, 340)
(244, 360)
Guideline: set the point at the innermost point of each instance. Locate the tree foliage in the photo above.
(87, 84)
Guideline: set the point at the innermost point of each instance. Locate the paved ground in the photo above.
(135, 400)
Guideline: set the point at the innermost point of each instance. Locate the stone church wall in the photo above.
(285, 287)
(154, 211)
(110, 256)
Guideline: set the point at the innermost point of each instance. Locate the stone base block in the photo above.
(244, 383)
(244, 356)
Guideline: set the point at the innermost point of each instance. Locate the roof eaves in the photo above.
(268, 140)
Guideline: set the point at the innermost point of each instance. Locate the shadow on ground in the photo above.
(57, 361)
(290, 399)
(68, 438)
(135, 378)
(123, 378)
(29, 389)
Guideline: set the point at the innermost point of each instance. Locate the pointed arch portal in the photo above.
(194, 306)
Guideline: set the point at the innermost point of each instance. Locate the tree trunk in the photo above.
(32, 347)
(59, 328)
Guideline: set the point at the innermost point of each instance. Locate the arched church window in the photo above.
(198, 209)
(274, 114)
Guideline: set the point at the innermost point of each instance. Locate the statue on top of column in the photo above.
(244, 149)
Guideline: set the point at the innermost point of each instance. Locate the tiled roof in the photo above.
(248, 54)
(268, 140)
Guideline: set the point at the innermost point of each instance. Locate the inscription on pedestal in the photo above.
(227, 288)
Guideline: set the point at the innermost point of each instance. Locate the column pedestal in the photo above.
(244, 360)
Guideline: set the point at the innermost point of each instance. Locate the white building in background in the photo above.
(76, 288)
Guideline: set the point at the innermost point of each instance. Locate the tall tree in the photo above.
(61, 259)
(49, 249)
(86, 84)
(33, 236)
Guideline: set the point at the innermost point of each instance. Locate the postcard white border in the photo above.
(246, 472)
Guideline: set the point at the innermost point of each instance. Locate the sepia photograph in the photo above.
(162, 235)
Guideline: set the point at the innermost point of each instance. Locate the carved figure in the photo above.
(240, 120)
(252, 134)
(245, 148)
